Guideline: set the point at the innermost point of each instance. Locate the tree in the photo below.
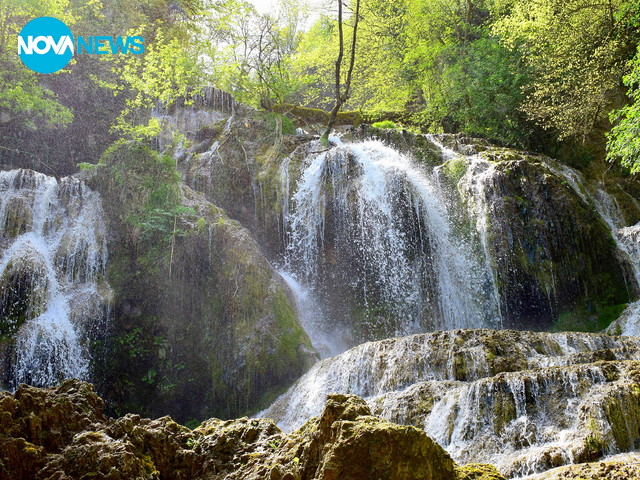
(343, 95)
(23, 100)
(624, 139)
(250, 54)
(577, 50)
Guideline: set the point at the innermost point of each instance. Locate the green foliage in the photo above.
(250, 54)
(163, 73)
(87, 167)
(159, 223)
(437, 61)
(147, 186)
(22, 98)
(133, 343)
(577, 51)
(624, 138)
(482, 92)
(384, 124)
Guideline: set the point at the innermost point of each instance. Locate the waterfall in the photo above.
(523, 401)
(627, 238)
(483, 185)
(311, 318)
(186, 116)
(52, 262)
(372, 222)
(477, 173)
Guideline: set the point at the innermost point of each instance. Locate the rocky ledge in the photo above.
(61, 433)
(526, 402)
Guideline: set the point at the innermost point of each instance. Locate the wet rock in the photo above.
(545, 239)
(345, 443)
(52, 247)
(209, 322)
(24, 287)
(524, 401)
(628, 323)
(619, 469)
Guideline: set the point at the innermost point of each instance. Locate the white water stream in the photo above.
(52, 259)
(389, 211)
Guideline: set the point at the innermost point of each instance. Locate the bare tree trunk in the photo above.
(342, 97)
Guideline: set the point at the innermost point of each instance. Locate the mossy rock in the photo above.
(198, 308)
(24, 290)
(478, 471)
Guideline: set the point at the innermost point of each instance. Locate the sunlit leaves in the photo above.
(577, 51)
(624, 138)
(22, 99)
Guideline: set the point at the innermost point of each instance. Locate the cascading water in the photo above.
(311, 318)
(206, 107)
(365, 219)
(521, 206)
(474, 181)
(626, 237)
(524, 401)
(52, 259)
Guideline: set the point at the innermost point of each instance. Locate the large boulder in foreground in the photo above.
(61, 433)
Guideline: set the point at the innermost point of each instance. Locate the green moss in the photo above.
(454, 169)
(460, 367)
(478, 471)
(291, 336)
(504, 411)
(594, 443)
(384, 124)
(316, 115)
(623, 414)
(584, 319)
(273, 120)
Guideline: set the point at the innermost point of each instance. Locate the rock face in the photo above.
(628, 323)
(524, 401)
(419, 233)
(438, 232)
(545, 234)
(62, 433)
(619, 467)
(202, 324)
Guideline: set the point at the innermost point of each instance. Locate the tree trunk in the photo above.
(342, 97)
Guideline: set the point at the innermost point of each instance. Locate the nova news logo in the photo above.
(46, 45)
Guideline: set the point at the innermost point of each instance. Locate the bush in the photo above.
(384, 124)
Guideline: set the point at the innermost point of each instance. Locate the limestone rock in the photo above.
(524, 401)
(210, 324)
(478, 471)
(345, 443)
(614, 469)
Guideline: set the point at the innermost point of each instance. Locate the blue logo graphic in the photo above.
(45, 45)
